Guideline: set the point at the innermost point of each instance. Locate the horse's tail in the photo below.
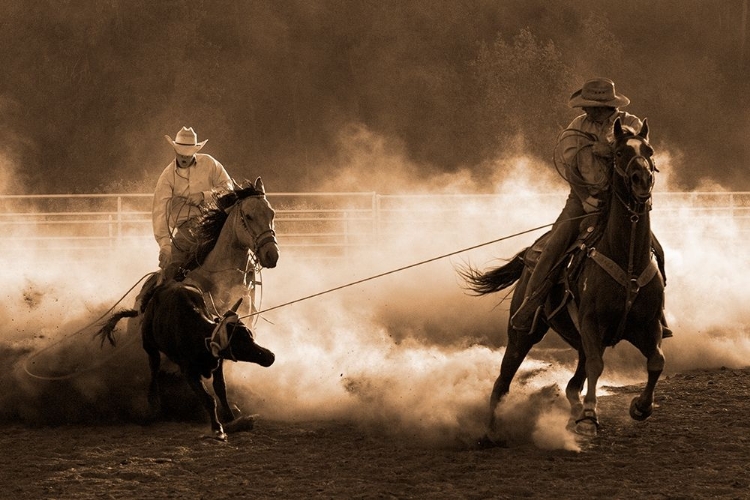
(107, 331)
(494, 280)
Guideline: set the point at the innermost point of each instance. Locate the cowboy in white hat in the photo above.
(585, 152)
(182, 187)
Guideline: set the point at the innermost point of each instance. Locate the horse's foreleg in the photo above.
(209, 403)
(643, 406)
(220, 389)
(588, 422)
(575, 386)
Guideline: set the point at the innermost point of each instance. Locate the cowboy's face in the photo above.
(598, 113)
(184, 161)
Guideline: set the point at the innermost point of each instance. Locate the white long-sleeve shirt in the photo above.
(580, 162)
(170, 207)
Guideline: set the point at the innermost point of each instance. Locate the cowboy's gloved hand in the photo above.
(590, 204)
(602, 149)
(195, 199)
(165, 256)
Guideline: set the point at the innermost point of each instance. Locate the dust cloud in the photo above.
(409, 352)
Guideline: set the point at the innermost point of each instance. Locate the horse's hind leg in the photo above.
(519, 345)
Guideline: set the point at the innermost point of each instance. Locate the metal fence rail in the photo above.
(322, 222)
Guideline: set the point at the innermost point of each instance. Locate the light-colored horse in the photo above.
(238, 231)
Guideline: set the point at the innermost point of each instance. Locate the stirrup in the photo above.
(534, 319)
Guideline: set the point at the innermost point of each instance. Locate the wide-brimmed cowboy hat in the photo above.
(598, 92)
(186, 142)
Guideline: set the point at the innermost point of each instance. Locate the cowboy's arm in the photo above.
(159, 213)
(632, 121)
(220, 180)
(575, 149)
(585, 193)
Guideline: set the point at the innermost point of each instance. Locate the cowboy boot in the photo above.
(524, 319)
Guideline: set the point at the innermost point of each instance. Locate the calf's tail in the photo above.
(106, 332)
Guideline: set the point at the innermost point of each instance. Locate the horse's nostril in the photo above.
(271, 258)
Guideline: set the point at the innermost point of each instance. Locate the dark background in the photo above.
(90, 87)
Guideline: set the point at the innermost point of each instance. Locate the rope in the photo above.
(81, 330)
(393, 271)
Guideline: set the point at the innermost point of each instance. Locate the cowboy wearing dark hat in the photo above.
(584, 149)
(182, 187)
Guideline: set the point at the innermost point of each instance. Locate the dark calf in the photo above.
(177, 323)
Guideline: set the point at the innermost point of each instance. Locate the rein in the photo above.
(262, 239)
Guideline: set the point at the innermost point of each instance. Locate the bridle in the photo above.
(265, 237)
(635, 207)
(631, 281)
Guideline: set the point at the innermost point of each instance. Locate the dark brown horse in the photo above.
(618, 293)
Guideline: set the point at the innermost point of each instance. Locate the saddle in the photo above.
(590, 230)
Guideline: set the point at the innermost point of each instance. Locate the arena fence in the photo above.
(335, 222)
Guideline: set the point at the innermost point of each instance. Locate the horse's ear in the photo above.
(259, 186)
(644, 129)
(618, 128)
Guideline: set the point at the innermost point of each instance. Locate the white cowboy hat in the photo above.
(599, 92)
(186, 142)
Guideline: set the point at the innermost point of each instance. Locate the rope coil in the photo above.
(77, 332)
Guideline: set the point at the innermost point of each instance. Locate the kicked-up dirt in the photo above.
(696, 445)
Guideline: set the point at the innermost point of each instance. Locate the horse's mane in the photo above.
(208, 226)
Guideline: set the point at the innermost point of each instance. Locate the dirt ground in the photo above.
(696, 445)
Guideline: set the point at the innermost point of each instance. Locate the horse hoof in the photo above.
(586, 428)
(588, 424)
(217, 436)
(640, 414)
(240, 424)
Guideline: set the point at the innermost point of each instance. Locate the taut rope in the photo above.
(393, 271)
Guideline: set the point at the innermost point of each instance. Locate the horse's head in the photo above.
(255, 226)
(634, 164)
